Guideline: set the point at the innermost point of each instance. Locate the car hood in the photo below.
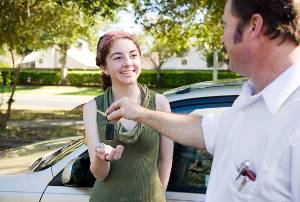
(206, 84)
(30, 182)
(18, 160)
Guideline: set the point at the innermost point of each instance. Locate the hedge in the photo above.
(169, 78)
(39, 78)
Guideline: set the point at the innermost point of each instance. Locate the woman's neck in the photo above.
(131, 91)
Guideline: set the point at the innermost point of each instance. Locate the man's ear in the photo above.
(256, 25)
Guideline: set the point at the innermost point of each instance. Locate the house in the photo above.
(192, 60)
(79, 56)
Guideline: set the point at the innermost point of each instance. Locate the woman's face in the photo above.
(123, 62)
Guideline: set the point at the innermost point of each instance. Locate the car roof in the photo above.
(206, 89)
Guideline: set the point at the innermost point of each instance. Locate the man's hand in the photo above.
(185, 129)
(124, 108)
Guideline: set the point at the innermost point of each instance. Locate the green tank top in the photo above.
(133, 178)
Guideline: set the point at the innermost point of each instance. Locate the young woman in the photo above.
(130, 161)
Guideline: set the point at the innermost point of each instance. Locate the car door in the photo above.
(191, 167)
(78, 191)
(66, 194)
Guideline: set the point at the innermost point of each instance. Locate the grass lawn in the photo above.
(22, 134)
(56, 90)
(27, 115)
(63, 90)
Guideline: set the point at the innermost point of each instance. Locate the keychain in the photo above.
(109, 132)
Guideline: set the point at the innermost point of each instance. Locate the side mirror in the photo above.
(72, 173)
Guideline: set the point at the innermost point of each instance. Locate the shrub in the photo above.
(84, 78)
(169, 78)
(5, 77)
(39, 77)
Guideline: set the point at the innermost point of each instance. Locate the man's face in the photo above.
(232, 39)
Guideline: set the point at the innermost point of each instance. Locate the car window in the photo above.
(191, 166)
(82, 175)
(189, 105)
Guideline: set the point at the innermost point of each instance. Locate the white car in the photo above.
(62, 173)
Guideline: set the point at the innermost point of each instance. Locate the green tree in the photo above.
(73, 19)
(28, 25)
(21, 33)
(198, 20)
(162, 47)
(66, 24)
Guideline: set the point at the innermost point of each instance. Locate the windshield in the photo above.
(18, 160)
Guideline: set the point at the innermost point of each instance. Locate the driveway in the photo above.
(49, 102)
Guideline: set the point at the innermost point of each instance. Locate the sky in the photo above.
(126, 23)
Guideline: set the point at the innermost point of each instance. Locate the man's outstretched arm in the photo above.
(184, 129)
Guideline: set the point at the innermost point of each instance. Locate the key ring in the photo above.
(99, 146)
(105, 157)
(102, 113)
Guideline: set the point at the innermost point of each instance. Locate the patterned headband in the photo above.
(110, 36)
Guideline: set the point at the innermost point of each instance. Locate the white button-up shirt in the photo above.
(265, 130)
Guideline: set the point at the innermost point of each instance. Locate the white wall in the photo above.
(194, 59)
(47, 58)
(77, 57)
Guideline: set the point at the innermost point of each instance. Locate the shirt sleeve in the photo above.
(210, 122)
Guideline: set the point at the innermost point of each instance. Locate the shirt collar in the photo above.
(277, 92)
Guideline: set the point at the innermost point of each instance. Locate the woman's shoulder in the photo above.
(99, 98)
(90, 106)
(162, 103)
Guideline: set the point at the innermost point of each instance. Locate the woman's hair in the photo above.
(281, 17)
(103, 48)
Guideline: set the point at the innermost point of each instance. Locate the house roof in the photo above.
(86, 58)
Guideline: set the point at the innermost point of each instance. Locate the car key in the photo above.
(109, 133)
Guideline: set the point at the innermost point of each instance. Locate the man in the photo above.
(256, 143)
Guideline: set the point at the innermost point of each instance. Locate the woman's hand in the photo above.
(108, 153)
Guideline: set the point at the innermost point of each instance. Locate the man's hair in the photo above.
(281, 17)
